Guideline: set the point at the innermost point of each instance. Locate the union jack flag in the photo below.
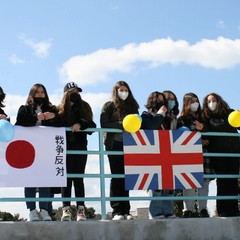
(163, 159)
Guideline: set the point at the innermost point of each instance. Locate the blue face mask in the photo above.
(171, 104)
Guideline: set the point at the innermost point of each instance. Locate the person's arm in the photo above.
(26, 117)
(3, 115)
(84, 123)
(150, 121)
(53, 118)
(106, 120)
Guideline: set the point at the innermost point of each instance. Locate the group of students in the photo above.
(162, 113)
(72, 112)
(162, 110)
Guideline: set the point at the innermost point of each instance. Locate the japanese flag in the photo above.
(35, 157)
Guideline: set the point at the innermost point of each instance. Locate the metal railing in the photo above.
(103, 199)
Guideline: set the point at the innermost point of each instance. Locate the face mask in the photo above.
(194, 106)
(212, 106)
(38, 100)
(159, 105)
(171, 104)
(74, 97)
(123, 95)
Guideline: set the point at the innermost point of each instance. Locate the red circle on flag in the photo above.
(20, 154)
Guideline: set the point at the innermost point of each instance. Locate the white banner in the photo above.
(35, 157)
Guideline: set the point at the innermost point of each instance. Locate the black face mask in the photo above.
(38, 100)
(74, 97)
(159, 105)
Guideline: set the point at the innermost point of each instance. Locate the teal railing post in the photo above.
(102, 175)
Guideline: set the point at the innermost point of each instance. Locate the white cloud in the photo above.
(16, 60)
(97, 66)
(12, 103)
(96, 101)
(41, 48)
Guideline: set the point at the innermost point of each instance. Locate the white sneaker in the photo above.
(118, 217)
(81, 214)
(66, 216)
(44, 215)
(128, 217)
(34, 216)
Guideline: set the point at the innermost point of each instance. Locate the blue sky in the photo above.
(153, 45)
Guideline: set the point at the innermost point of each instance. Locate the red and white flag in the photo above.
(35, 157)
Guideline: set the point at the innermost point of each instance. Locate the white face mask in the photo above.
(194, 106)
(212, 106)
(123, 95)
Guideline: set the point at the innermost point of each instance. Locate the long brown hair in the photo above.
(175, 109)
(187, 98)
(30, 99)
(83, 108)
(127, 106)
(222, 106)
(152, 100)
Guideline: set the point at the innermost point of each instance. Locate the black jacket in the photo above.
(188, 121)
(77, 140)
(221, 144)
(152, 121)
(109, 119)
(27, 116)
(2, 112)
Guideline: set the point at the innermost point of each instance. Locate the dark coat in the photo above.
(27, 116)
(2, 112)
(223, 144)
(152, 121)
(109, 119)
(77, 140)
(188, 122)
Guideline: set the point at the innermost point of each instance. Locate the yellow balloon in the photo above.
(234, 119)
(131, 123)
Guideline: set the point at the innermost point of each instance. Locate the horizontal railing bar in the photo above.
(138, 198)
(221, 155)
(76, 152)
(219, 134)
(115, 130)
(205, 154)
(101, 130)
(221, 176)
(93, 175)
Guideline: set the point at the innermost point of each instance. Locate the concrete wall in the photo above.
(171, 229)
